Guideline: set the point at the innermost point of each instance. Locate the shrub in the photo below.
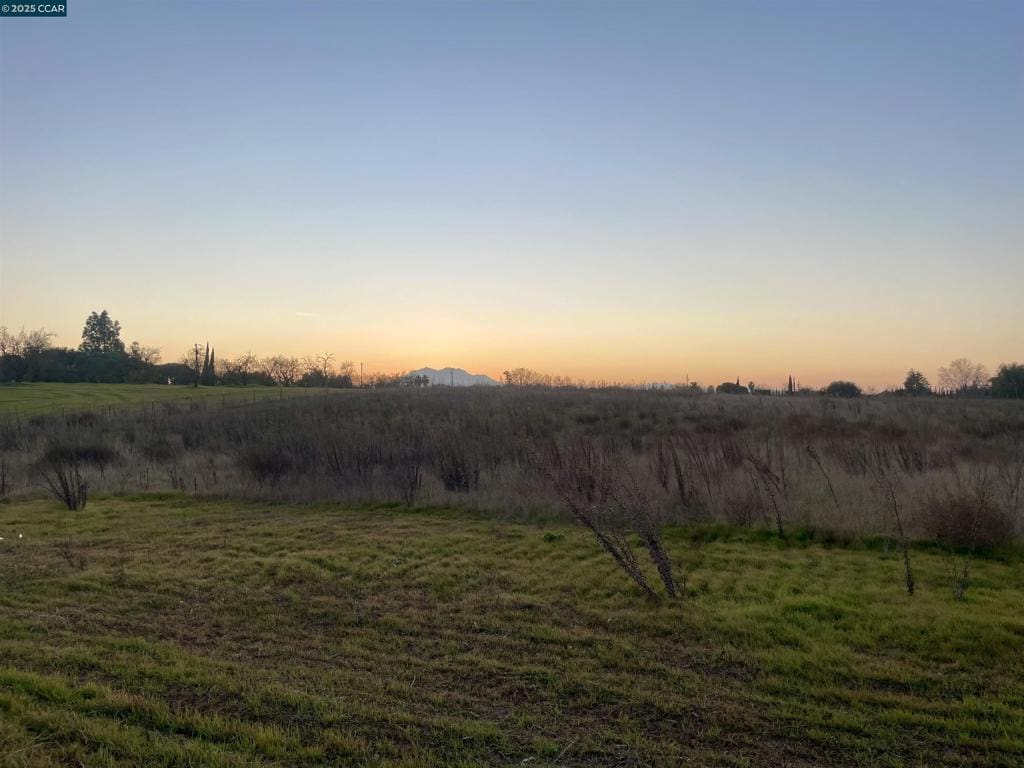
(98, 455)
(82, 419)
(731, 388)
(457, 466)
(64, 480)
(842, 389)
(267, 463)
(965, 518)
(743, 506)
(161, 448)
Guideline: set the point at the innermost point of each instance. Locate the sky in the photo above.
(618, 191)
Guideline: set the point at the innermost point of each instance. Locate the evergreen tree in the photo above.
(204, 373)
(916, 383)
(1009, 381)
(101, 334)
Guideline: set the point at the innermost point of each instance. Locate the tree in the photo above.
(208, 373)
(916, 384)
(241, 369)
(101, 334)
(21, 352)
(316, 370)
(193, 360)
(961, 376)
(206, 364)
(23, 344)
(345, 375)
(144, 355)
(1009, 381)
(729, 388)
(323, 364)
(524, 377)
(285, 371)
(842, 389)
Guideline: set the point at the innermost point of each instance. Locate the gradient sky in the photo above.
(619, 191)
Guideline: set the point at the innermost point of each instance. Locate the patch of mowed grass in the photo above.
(38, 398)
(167, 631)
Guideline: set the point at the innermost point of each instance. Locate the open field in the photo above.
(435, 606)
(42, 398)
(161, 630)
(778, 462)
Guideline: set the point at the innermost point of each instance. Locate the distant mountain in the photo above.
(447, 377)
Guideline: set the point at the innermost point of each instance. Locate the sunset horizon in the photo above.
(687, 192)
(888, 371)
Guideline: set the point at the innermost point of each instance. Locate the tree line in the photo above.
(961, 378)
(102, 356)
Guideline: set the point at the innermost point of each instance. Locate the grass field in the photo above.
(165, 631)
(41, 398)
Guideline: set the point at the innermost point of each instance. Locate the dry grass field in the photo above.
(826, 464)
(407, 577)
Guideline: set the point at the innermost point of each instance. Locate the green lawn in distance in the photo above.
(45, 398)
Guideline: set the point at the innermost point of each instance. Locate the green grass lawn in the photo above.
(39, 398)
(165, 631)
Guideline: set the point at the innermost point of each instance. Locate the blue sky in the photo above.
(605, 190)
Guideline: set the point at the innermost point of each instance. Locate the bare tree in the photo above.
(961, 375)
(193, 360)
(323, 364)
(25, 342)
(526, 377)
(285, 371)
(316, 369)
(146, 355)
(243, 366)
(346, 369)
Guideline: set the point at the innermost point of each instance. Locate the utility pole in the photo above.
(360, 375)
(452, 372)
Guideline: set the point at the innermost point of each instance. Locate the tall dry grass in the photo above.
(781, 463)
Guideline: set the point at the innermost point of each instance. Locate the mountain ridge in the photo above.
(458, 377)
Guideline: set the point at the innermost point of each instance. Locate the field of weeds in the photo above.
(941, 469)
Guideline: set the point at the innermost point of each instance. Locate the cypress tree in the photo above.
(213, 367)
(203, 374)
